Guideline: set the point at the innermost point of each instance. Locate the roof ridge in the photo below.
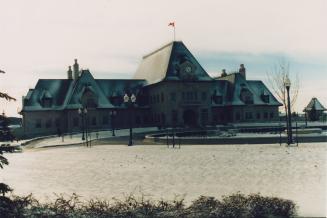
(160, 48)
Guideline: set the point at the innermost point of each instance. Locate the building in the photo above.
(314, 110)
(171, 89)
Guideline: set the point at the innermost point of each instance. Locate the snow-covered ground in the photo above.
(297, 173)
(77, 138)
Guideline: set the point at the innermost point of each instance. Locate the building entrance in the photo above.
(190, 118)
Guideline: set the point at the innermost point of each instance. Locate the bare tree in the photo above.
(276, 80)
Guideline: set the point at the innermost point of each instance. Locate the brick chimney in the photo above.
(242, 71)
(76, 70)
(223, 73)
(69, 73)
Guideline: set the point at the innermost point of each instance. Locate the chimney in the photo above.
(242, 71)
(76, 70)
(70, 73)
(223, 73)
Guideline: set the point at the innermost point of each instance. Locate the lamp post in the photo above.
(112, 115)
(287, 84)
(130, 102)
(82, 112)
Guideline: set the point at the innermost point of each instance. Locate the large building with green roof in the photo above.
(171, 89)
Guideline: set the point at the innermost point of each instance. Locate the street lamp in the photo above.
(112, 115)
(130, 102)
(82, 112)
(287, 84)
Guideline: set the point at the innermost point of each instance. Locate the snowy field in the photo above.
(297, 173)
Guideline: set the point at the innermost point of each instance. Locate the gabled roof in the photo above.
(165, 63)
(236, 82)
(67, 93)
(86, 80)
(314, 104)
(57, 88)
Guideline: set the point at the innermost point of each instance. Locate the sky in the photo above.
(39, 39)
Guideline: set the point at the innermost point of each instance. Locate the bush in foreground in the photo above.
(236, 205)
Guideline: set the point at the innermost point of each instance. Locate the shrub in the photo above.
(236, 205)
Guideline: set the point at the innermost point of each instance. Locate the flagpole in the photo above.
(173, 25)
(174, 33)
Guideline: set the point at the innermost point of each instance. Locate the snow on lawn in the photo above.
(297, 173)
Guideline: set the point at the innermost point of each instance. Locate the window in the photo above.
(91, 103)
(218, 99)
(162, 97)
(204, 116)
(248, 115)
(265, 115)
(222, 117)
(145, 119)
(57, 122)
(258, 116)
(38, 123)
(48, 123)
(246, 96)
(238, 116)
(183, 96)
(173, 96)
(204, 96)
(47, 102)
(215, 118)
(174, 116)
(195, 95)
(105, 120)
(265, 98)
(94, 121)
(116, 99)
(138, 120)
(75, 122)
(271, 115)
(163, 118)
(189, 95)
(89, 99)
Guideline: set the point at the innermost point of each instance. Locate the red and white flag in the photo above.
(171, 24)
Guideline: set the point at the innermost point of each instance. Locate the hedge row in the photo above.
(236, 205)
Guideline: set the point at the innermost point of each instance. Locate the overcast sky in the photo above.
(40, 38)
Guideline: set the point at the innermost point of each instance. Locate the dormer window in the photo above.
(217, 98)
(116, 99)
(46, 99)
(47, 102)
(265, 97)
(246, 96)
(89, 99)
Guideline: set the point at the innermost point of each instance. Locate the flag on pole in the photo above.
(173, 25)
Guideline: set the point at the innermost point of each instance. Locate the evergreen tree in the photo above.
(5, 133)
